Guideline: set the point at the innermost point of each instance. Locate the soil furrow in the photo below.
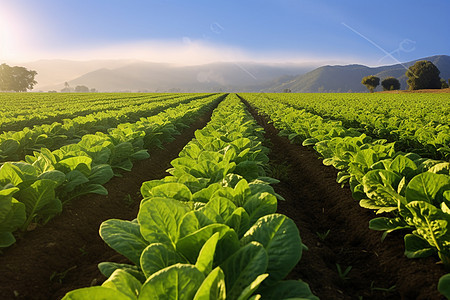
(63, 255)
(335, 229)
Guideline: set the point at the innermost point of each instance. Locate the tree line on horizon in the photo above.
(422, 75)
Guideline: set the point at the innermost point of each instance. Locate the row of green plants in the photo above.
(21, 110)
(209, 230)
(33, 191)
(417, 122)
(412, 192)
(15, 145)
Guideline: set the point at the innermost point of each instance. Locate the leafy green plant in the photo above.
(204, 230)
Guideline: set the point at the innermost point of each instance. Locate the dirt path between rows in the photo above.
(319, 205)
(63, 255)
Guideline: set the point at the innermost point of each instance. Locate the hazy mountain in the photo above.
(146, 76)
(55, 71)
(348, 78)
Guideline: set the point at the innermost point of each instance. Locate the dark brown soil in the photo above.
(318, 204)
(63, 255)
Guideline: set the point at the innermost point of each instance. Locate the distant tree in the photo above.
(423, 75)
(287, 91)
(81, 89)
(93, 90)
(17, 79)
(444, 85)
(371, 82)
(52, 91)
(66, 88)
(390, 84)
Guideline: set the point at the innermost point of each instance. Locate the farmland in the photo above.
(337, 196)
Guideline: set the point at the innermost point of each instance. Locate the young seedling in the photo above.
(323, 236)
(384, 290)
(60, 276)
(83, 251)
(343, 274)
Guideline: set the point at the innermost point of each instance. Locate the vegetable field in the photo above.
(225, 196)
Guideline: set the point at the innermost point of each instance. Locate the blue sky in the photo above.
(193, 32)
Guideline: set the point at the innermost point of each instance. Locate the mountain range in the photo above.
(348, 78)
(134, 75)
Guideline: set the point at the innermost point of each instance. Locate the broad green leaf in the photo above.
(140, 155)
(381, 188)
(147, 186)
(158, 256)
(55, 175)
(172, 190)
(441, 168)
(280, 237)
(206, 256)
(243, 267)
(248, 169)
(417, 247)
(191, 244)
(289, 289)
(6, 239)
(101, 174)
(124, 237)
(213, 287)
(374, 204)
(12, 215)
(248, 291)
(162, 216)
(260, 205)
(432, 224)
(427, 187)
(79, 163)
(178, 282)
(17, 173)
(193, 221)
(74, 179)
(444, 285)
(403, 166)
(39, 199)
(239, 221)
(387, 225)
(204, 195)
(96, 293)
(107, 268)
(123, 282)
(93, 189)
(242, 192)
(218, 209)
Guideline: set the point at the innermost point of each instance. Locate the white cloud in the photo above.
(185, 51)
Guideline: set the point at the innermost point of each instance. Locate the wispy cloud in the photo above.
(184, 51)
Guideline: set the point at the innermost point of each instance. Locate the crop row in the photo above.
(208, 231)
(34, 190)
(413, 192)
(20, 110)
(418, 122)
(15, 145)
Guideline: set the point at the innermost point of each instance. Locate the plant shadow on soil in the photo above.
(335, 229)
(63, 254)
